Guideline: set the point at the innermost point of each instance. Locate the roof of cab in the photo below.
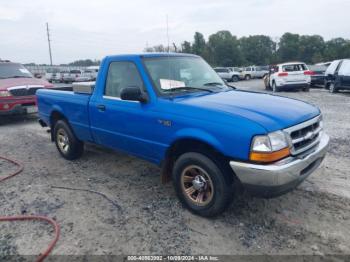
(150, 55)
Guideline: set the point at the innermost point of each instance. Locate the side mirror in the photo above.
(133, 93)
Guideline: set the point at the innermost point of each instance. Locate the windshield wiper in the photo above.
(219, 84)
(213, 84)
(190, 88)
(19, 77)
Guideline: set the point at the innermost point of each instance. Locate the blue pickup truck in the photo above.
(175, 111)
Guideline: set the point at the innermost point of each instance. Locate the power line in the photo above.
(49, 41)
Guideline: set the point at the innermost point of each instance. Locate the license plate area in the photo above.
(31, 109)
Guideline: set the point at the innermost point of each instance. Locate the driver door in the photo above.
(122, 124)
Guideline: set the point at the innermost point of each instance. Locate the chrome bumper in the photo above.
(287, 173)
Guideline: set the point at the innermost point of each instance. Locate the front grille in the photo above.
(24, 91)
(305, 135)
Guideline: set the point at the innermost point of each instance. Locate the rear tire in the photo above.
(247, 77)
(235, 79)
(275, 88)
(332, 88)
(326, 85)
(306, 89)
(69, 146)
(202, 187)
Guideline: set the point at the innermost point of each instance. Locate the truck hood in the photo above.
(13, 82)
(270, 111)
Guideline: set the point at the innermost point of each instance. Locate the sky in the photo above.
(82, 29)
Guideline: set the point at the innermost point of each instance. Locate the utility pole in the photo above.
(167, 32)
(49, 41)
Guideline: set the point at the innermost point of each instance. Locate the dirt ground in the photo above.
(145, 216)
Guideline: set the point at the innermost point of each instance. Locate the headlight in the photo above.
(270, 148)
(4, 93)
(321, 122)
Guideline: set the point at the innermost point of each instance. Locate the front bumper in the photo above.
(17, 105)
(280, 177)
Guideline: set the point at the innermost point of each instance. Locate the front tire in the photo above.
(69, 146)
(247, 77)
(202, 187)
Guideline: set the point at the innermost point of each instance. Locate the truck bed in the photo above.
(68, 103)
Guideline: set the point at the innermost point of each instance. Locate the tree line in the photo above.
(225, 49)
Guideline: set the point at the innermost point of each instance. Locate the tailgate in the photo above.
(73, 106)
(296, 76)
(295, 72)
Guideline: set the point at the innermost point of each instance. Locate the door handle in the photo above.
(101, 107)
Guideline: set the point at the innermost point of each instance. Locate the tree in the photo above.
(311, 48)
(337, 48)
(199, 44)
(186, 47)
(289, 47)
(257, 49)
(159, 49)
(86, 62)
(223, 49)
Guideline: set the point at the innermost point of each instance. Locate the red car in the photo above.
(17, 89)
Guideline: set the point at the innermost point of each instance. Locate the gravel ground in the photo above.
(145, 217)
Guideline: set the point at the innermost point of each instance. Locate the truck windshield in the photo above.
(12, 70)
(182, 74)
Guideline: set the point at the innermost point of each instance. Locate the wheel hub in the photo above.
(199, 183)
(62, 140)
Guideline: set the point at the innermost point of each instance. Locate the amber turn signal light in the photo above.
(268, 157)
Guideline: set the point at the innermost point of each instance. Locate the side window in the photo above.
(121, 75)
(345, 68)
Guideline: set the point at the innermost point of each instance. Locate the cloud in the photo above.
(92, 29)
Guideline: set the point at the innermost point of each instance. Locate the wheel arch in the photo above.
(56, 114)
(191, 144)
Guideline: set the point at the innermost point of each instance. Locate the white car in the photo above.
(289, 76)
(52, 75)
(250, 72)
(227, 74)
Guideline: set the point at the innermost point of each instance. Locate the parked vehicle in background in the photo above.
(206, 136)
(236, 69)
(329, 74)
(17, 89)
(53, 75)
(289, 76)
(254, 72)
(341, 77)
(318, 75)
(88, 74)
(227, 74)
(71, 76)
(94, 70)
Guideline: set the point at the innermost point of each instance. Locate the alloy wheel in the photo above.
(197, 185)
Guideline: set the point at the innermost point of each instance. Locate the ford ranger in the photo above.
(175, 111)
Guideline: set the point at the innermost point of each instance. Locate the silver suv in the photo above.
(254, 72)
(227, 74)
